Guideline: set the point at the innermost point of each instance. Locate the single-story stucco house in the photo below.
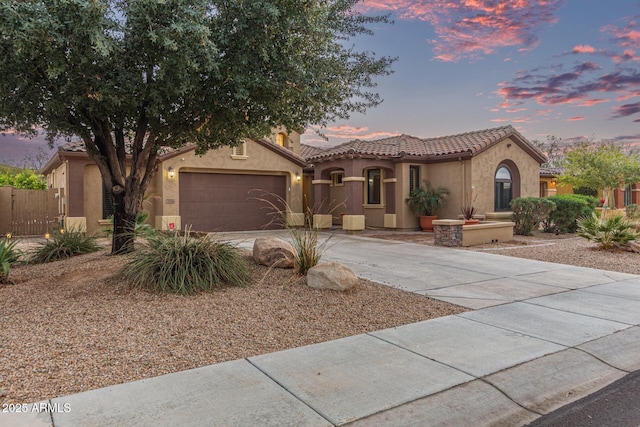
(356, 185)
(218, 191)
(365, 183)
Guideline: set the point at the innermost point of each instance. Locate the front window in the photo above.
(503, 189)
(374, 186)
(414, 178)
(107, 203)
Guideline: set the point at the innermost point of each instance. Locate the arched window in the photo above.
(504, 188)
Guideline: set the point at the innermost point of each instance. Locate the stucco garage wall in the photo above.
(259, 160)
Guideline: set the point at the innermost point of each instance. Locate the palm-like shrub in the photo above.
(8, 255)
(64, 244)
(184, 265)
(609, 233)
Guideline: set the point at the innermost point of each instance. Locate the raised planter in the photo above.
(453, 233)
(487, 232)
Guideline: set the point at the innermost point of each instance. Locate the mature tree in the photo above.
(130, 76)
(603, 166)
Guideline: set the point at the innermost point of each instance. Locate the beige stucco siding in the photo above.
(455, 176)
(484, 167)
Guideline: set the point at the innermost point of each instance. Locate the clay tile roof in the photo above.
(307, 151)
(73, 147)
(406, 145)
(550, 171)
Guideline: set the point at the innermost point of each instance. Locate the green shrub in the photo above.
(609, 233)
(64, 244)
(584, 191)
(569, 207)
(528, 212)
(8, 255)
(632, 211)
(184, 265)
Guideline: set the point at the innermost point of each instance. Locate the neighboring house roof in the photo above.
(550, 172)
(405, 146)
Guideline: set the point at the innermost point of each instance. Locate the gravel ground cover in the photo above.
(66, 328)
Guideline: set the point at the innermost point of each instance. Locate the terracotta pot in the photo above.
(426, 222)
(471, 221)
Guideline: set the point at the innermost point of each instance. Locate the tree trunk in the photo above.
(124, 223)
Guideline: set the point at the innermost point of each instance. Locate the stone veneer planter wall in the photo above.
(453, 233)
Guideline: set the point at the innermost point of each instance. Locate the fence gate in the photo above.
(28, 212)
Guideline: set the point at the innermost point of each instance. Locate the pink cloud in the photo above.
(626, 36)
(343, 133)
(575, 119)
(500, 120)
(592, 102)
(583, 49)
(471, 28)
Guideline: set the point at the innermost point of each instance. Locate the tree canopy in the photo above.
(24, 179)
(603, 166)
(130, 76)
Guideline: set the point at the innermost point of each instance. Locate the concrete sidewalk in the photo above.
(541, 335)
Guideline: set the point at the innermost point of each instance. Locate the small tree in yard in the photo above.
(131, 76)
(599, 167)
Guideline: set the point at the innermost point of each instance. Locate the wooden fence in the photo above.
(29, 212)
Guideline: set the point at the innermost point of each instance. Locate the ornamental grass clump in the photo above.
(307, 251)
(64, 244)
(184, 265)
(609, 233)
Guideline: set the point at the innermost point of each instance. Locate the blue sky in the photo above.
(568, 68)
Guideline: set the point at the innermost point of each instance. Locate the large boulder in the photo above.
(331, 275)
(273, 252)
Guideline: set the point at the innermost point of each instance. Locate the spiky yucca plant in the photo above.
(609, 233)
(8, 255)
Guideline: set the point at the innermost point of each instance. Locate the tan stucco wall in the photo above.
(486, 163)
(455, 176)
(292, 140)
(259, 160)
(92, 198)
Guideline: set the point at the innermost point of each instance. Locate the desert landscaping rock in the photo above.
(273, 252)
(67, 327)
(331, 275)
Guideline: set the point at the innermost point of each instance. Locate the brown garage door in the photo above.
(227, 202)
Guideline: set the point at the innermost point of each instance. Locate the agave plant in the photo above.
(8, 255)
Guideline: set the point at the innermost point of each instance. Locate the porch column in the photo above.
(354, 219)
(321, 215)
(618, 195)
(390, 202)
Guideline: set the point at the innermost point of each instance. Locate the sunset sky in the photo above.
(568, 68)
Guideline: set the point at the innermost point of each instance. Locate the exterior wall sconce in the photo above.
(172, 172)
(298, 177)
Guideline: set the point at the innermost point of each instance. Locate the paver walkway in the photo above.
(541, 335)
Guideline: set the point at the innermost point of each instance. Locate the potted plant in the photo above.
(424, 201)
(468, 210)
